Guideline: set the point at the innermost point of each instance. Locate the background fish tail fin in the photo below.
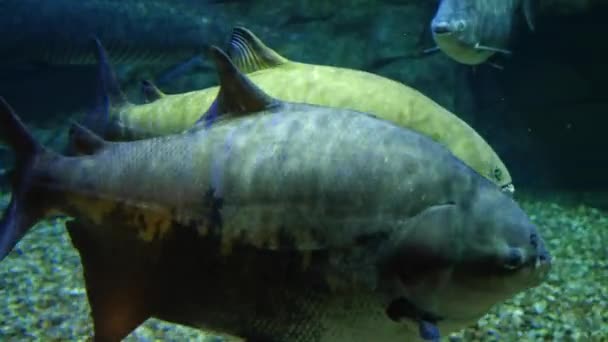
(20, 215)
(109, 96)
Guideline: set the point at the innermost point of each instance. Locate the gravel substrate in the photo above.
(42, 296)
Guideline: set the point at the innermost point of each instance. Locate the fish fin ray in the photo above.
(249, 53)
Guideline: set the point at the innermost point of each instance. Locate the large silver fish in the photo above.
(276, 221)
(470, 31)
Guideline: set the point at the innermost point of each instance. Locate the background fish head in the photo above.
(456, 260)
(455, 29)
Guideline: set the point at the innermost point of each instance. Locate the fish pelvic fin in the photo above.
(250, 54)
(238, 95)
(150, 91)
(24, 209)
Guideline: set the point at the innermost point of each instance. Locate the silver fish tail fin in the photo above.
(25, 207)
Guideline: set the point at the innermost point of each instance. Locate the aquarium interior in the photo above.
(544, 111)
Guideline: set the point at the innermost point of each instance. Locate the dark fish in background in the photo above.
(46, 45)
(273, 221)
(4, 172)
(471, 31)
(59, 32)
(192, 65)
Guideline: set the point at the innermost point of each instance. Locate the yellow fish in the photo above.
(305, 83)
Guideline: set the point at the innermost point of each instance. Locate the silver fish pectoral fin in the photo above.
(431, 50)
(401, 308)
(492, 49)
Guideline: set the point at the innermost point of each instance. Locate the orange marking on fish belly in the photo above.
(95, 209)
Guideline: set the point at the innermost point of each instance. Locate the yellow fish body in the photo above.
(320, 85)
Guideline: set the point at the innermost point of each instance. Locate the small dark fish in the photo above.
(194, 64)
(58, 32)
(273, 221)
(470, 31)
(4, 177)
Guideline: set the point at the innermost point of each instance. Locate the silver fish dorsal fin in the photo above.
(84, 141)
(238, 96)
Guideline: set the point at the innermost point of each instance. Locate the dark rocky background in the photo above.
(545, 112)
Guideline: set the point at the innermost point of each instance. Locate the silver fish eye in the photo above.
(460, 25)
(497, 174)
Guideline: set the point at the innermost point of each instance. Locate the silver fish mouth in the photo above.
(441, 28)
(509, 189)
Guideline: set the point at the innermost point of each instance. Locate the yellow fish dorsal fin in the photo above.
(150, 91)
(250, 54)
(238, 95)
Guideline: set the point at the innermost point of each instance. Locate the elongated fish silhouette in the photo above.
(302, 83)
(276, 221)
(471, 31)
(58, 32)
